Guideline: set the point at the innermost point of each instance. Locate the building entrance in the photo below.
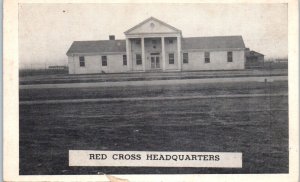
(155, 61)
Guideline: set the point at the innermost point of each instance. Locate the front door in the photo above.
(155, 62)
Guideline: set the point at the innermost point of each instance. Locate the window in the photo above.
(170, 41)
(171, 58)
(104, 61)
(138, 41)
(153, 41)
(124, 60)
(229, 56)
(138, 58)
(81, 61)
(207, 57)
(185, 58)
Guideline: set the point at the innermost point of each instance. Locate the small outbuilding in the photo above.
(254, 59)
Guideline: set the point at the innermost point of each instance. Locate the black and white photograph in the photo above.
(153, 88)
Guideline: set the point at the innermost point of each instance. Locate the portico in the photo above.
(156, 43)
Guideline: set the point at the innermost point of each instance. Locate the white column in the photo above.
(179, 52)
(143, 54)
(163, 53)
(128, 55)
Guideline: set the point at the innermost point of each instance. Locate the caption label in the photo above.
(155, 159)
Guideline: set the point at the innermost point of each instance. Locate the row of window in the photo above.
(138, 58)
(206, 57)
(103, 61)
(138, 41)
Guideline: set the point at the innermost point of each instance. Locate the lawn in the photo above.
(28, 78)
(257, 127)
(277, 87)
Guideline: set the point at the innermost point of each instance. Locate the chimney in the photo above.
(111, 37)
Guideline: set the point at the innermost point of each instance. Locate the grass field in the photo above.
(258, 127)
(39, 72)
(154, 90)
(135, 76)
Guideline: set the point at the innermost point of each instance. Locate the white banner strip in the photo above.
(155, 159)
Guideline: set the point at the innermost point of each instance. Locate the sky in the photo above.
(46, 31)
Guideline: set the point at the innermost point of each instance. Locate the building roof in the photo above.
(220, 42)
(115, 46)
(99, 46)
(253, 53)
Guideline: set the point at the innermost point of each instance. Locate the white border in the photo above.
(11, 111)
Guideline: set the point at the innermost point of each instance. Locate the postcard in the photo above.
(160, 91)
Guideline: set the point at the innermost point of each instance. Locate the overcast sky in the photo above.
(46, 31)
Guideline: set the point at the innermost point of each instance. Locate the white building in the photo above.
(154, 45)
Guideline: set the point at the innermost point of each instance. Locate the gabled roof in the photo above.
(220, 42)
(253, 53)
(100, 46)
(196, 43)
(153, 19)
